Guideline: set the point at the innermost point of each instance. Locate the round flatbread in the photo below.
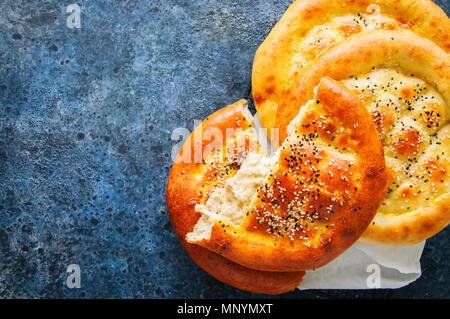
(204, 164)
(310, 27)
(404, 82)
(310, 201)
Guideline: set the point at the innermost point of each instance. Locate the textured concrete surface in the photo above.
(86, 117)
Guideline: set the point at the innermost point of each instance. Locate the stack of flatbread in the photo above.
(354, 95)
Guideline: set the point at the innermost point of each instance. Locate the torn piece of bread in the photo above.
(231, 202)
(311, 200)
(404, 82)
(210, 156)
(310, 27)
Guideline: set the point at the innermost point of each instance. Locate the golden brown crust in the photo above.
(409, 229)
(309, 27)
(424, 221)
(184, 191)
(359, 55)
(302, 190)
(416, 58)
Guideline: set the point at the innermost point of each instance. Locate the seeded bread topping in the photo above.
(412, 119)
(310, 28)
(315, 195)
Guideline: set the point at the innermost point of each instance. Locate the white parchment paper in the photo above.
(362, 266)
(367, 266)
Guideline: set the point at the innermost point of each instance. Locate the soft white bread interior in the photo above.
(191, 183)
(232, 202)
(287, 212)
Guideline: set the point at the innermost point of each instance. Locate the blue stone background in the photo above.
(86, 117)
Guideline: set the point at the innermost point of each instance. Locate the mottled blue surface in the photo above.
(86, 117)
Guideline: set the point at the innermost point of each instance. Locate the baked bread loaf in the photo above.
(358, 91)
(404, 82)
(304, 206)
(202, 165)
(309, 27)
